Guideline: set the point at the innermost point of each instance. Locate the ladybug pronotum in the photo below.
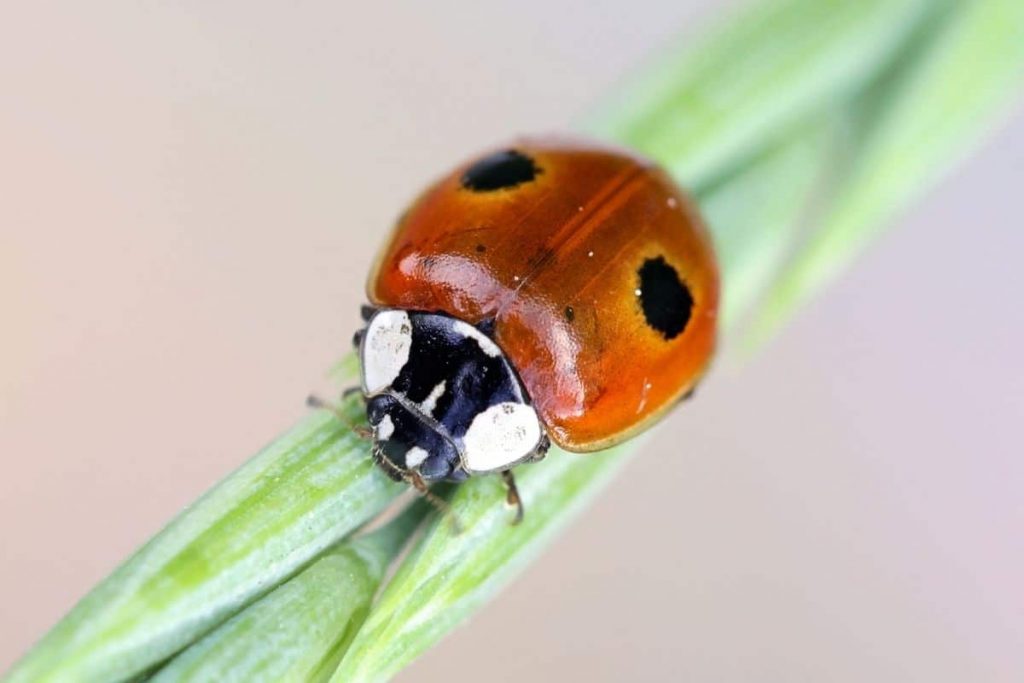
(551, 290)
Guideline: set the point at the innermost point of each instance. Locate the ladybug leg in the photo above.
(360, 430)
(440, 504)
(394, 473)
(513, 498)
(416, 481)
(366, 312)
(542, 449)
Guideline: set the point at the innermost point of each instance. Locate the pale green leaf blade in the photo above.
(281, 509)
(911, 129)
(777, 191)
(719, 97)
(300, 630)
(454, 572)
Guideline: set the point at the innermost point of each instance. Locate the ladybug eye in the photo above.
(665, 299)
(499, 171)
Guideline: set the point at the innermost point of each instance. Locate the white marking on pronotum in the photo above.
(386, 348)
(501, 436)
(384, 429)
(415, 456)
(430, 402)
(672, 203)
(467, 330)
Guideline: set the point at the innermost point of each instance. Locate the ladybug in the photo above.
(550, 290)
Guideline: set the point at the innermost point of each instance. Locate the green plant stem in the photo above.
(300, 495)
(451, 575)
(301, 629)
(953, 85)
(720, 95)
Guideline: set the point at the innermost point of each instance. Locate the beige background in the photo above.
(190, 194)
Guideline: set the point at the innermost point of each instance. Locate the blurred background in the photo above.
(190, 197)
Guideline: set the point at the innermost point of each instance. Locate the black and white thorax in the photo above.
(443, 400)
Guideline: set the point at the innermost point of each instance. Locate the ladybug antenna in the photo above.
(317, 403)
(512, 497)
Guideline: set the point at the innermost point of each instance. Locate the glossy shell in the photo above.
(592, 270)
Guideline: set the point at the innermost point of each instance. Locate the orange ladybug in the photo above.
(551, 289)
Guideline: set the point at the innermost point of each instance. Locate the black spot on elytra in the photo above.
(499, 171)
(570, 314)
(480, 248)
(664, 297)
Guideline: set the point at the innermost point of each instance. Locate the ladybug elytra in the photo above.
(550, 291)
